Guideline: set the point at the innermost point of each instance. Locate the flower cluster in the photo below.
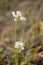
(18, 15)
(20, 45)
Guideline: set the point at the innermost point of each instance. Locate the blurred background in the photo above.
(30, 31)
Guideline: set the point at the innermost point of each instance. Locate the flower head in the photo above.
(22, 18)
(18, 15)
(13, 13)
(20, 45)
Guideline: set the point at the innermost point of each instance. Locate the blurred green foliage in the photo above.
(5, 3)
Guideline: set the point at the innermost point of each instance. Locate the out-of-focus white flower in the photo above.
(13, 13)
(22, 48)
(16, 45)
(20, 45)
(18, 15)
(22, 18)
(15, 19)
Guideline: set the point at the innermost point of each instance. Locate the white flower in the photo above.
(16, 45)
(13, 13)
(18, 15)
(22, 48)
(15, 19)
(22, 18)
(20, 45)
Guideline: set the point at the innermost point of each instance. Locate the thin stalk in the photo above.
(15, 52)
(15, 30)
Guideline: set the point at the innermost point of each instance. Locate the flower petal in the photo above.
(13, 13)
(22, 18)
(18, 13)
(22, 48)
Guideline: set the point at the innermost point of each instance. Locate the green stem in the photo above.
(16, 52)
(15, 30)
(15, 58)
